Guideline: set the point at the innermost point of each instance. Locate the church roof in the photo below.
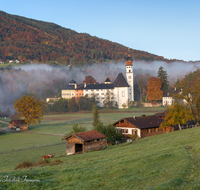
(72, 81)
(99, 86)
(129, 59)
(107, 80)
(120, 81)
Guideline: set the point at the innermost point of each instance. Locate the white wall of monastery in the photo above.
(121, 96)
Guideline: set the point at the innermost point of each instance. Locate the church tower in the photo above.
(129, 77)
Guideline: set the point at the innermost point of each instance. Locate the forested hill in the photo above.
(27, 39)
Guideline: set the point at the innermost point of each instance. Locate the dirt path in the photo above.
(40, 133)
(5, 128)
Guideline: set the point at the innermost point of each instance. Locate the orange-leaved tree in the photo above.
(154, 91)
(89, 80)
(29, 108)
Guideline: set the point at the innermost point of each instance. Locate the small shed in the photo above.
(18, 125)
(84, 141)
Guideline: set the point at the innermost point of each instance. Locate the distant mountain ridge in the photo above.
(28, 39)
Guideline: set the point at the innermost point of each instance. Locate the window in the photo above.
(129, 71)
(102, 93)
(157, 129)
(129, 77)
(125, 130)
(123, 93)
(148, 130)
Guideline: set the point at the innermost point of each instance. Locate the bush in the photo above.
(24, 164)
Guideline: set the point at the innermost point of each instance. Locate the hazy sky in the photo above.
(169, 28)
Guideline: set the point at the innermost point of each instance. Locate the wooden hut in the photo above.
(18, 125)
(84, 141)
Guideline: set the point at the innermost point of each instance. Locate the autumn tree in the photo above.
(177, 114)
(142, 81)
(154, 91)
(162, 75)
(29, 108)
(189, 93)
(89, 80)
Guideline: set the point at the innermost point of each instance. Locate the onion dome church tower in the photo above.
(129, 77)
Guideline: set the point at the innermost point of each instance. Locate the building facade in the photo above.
(143, 126)
(121, 91)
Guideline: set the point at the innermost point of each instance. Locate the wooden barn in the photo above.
(18, 125)
(84, 141)
(143, 126)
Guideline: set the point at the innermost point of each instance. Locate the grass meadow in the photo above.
(166, 161)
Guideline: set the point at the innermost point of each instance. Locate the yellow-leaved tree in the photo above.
(29, 108)
(177, 114)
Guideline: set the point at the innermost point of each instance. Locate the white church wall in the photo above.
(121, 96)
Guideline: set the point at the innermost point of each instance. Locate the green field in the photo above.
(167, 161)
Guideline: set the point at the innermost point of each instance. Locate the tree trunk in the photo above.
(179, 126)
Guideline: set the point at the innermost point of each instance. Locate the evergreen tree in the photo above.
(96, 119)
(162, 75)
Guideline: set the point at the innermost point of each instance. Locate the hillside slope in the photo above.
(27, 39)
(167, 161)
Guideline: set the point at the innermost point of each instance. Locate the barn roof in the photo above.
(18, 122)
(87, 136)
(143, 122)
(161, 114)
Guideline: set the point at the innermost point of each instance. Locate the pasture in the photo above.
(166, 161)
(49, 132)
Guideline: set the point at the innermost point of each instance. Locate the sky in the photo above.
(168, 28)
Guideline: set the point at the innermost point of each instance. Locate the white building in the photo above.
(120, 91)
(167, 99)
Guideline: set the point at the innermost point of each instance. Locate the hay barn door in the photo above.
(78, 147)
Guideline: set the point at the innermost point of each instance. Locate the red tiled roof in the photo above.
(87, 136)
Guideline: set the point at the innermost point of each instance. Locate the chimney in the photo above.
(75, 86)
